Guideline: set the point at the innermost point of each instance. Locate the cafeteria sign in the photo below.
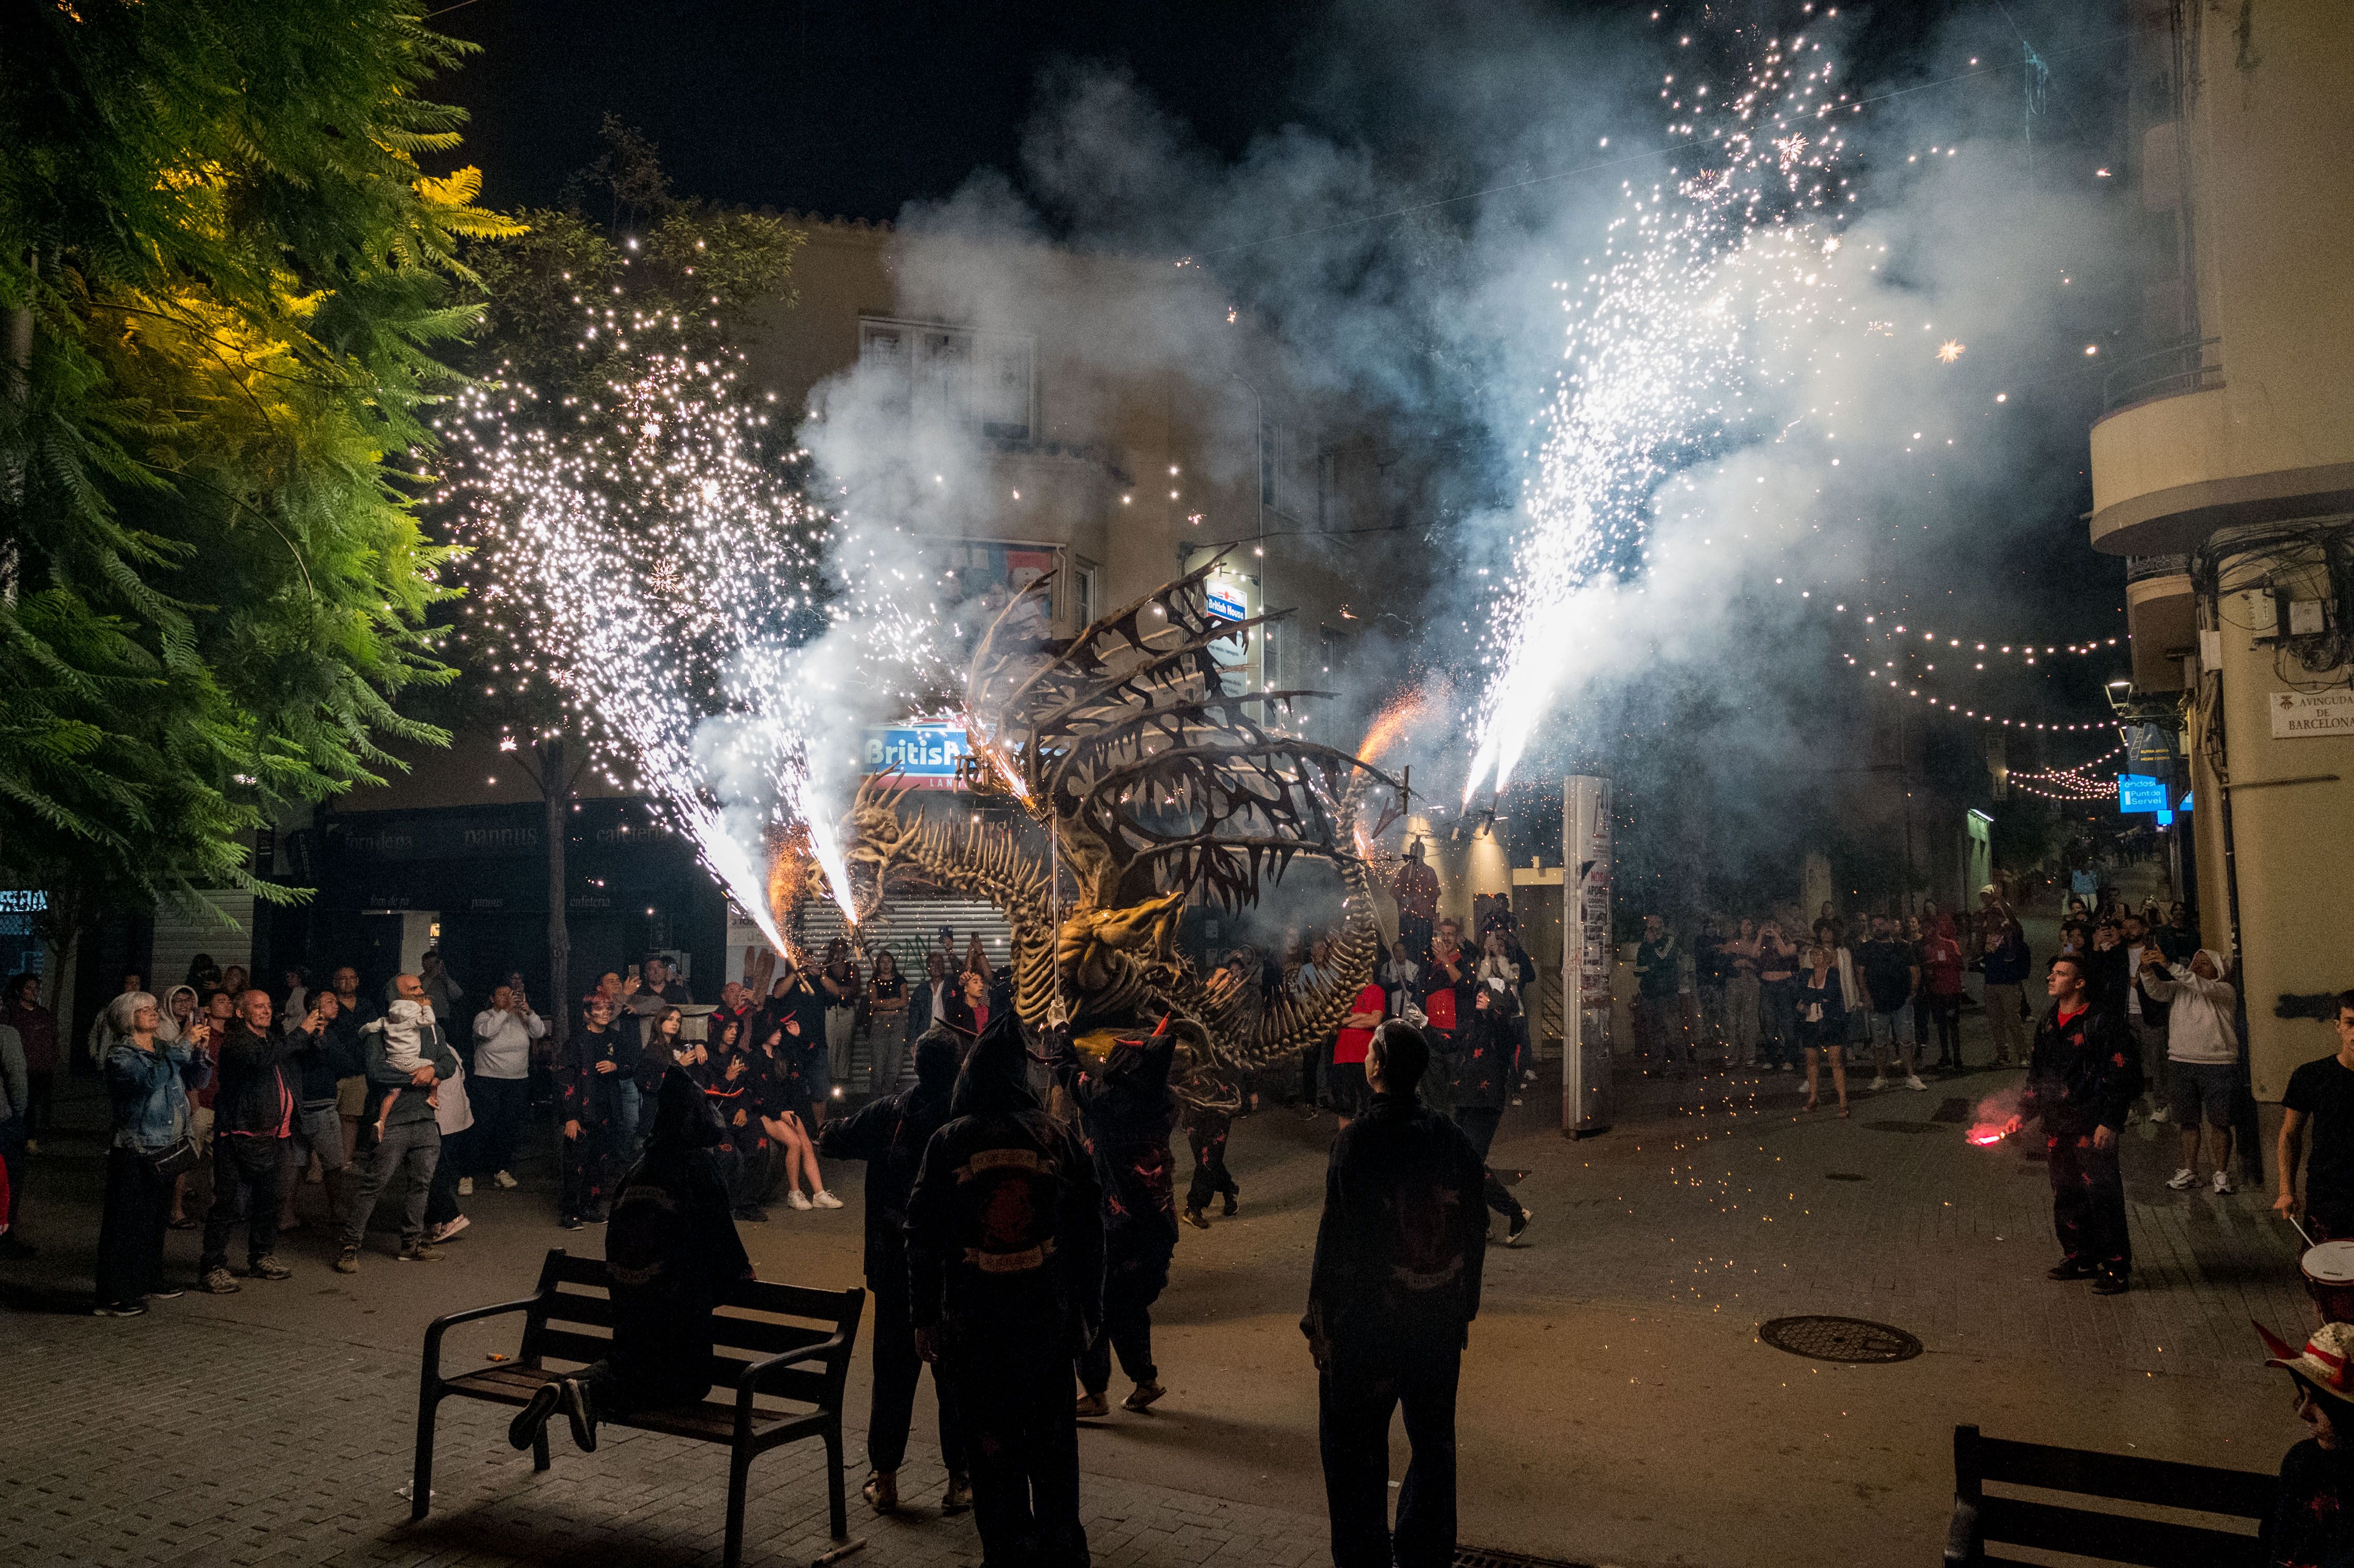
(925, 755)
(2301, 716)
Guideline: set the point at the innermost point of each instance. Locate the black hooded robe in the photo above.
(1126, 1115)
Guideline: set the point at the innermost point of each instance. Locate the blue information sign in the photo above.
(925, 754)
(2140, 792)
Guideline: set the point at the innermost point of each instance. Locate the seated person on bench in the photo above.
(2313, 1524)
(671, 1246)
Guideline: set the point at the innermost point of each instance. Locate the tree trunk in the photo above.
(556, 789)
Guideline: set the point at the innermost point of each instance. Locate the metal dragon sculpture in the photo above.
(1148, 778)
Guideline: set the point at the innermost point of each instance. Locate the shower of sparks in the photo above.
(1952, 349)
(662, 566)
(1672, 331)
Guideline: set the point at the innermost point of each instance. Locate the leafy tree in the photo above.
(574, 304)
(226, 279)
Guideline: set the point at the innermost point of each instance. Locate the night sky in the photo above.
(858, 109)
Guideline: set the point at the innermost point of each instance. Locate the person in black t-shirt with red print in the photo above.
(2321, 1096)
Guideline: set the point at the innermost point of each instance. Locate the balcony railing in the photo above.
(2192, 365)
(2141, 569)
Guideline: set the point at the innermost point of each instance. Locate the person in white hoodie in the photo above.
(2202, 1053)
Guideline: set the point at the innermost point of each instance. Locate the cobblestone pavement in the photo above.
(1618, 1404)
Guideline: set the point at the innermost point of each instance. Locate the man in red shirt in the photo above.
(1344, 1085)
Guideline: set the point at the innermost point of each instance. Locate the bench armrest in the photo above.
(748, 1384)
(441, 1326)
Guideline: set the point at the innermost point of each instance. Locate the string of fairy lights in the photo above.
(1962, 711)
(2075, 785)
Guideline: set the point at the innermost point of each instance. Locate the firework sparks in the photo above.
(1680, 319)
(666, 569)
(1952, 349)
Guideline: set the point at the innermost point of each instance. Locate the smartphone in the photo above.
(631, 972)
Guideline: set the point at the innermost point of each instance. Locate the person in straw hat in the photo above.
(2313, 1516)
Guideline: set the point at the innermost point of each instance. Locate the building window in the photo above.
(985, 381)
(1083, 591)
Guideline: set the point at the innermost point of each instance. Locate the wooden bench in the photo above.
(761, 1358)
(1980, 1520)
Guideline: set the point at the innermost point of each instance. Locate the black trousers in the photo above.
(499, 1105)
(1206, 1136)
(1022, 1450)
(458, 1158)
(897, 1370)
(246, 1171)
(1131, 1285)
(1478, 1124)
(587, 1171)
(1946, 1011)
(1355, 1396)
(2088, 1201)
(131, 1229)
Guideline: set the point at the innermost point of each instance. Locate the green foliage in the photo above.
(228, 281)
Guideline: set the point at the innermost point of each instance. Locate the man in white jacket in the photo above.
(2202, 1053)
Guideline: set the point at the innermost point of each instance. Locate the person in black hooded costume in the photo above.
(891, 1134)
(674, 1255)
(1126, 1115)
(1005, 1287)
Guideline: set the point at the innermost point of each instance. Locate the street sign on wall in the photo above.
(2140, 792)
(2307, 715)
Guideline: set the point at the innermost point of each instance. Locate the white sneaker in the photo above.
(793, 1200)
(1783, 1068)
(2161, 1114)
(1878, 1083)
(465, 1186)
(824, 1200)
(2222, 1183)
(506, 1178)
(444, 1232)
(1913, 1081)
(2184, 1180)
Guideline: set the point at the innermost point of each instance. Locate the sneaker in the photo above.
(2161, 1114)
(958, 1499)
(881, 1492)
(1232, 1206)
(348, 1261)
(570, 1223)
(267, 1268)
(2070, 1269)
(166, 1293)
(465, 1186)
(447, 1230)
(2222, 1183)
(1784, 1067)
(532, 1419)
(2184, 1180)
(1198, 1219)
(824, 1200)
(1092, 1407)
(1143, 1395)
(2111, 1283)
(1878, 1083)
(1518, 1228)
(505, 1178)
(420, 1252)
(1913, 1081)
(118, 1309)
(593, 1216)
(793, 1200)
(580, 1412)
(216, 1282)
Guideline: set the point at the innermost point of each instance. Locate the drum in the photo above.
(2328, 1271)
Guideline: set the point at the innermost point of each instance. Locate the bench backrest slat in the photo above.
(2114, 1537)
(2128, 1477)
(757, 1295)
(729, 1328)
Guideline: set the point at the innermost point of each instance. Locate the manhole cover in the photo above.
(1841, 1176)
(1840, 1339)
(1481, 1557)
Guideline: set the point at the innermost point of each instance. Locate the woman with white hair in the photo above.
(2202, 1053)
(147, 1081)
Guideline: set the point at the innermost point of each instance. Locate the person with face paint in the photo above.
(2312, 1512)
(1005, 1263)
(890, 1135)
(1126, 1115)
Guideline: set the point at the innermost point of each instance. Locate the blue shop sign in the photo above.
(2140, 792)
(1227, 603)
(925, 754)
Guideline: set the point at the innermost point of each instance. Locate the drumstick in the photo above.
(2299, 1229)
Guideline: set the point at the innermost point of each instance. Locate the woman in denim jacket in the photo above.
(148, 1080)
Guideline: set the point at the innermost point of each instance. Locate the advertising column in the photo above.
(1586, 1097)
